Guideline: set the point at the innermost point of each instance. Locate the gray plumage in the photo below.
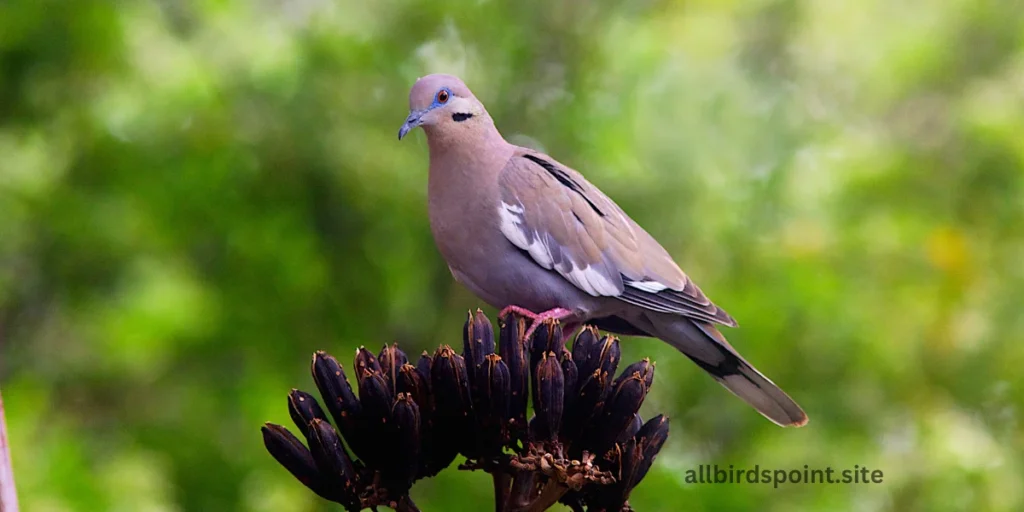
(518, 228)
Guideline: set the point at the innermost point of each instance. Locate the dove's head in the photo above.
(444, 106)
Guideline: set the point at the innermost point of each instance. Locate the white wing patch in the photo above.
(511, 227)
(590, 281)
(647, 286)
(511, 218)
(541, 253)
(586, 278)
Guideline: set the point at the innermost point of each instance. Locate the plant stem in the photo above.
(502, 482)
(8, 494)
(552, 492)
(522, 491)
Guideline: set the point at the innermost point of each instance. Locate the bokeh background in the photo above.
(194, 196)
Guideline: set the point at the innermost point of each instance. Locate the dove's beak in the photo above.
(415, 119)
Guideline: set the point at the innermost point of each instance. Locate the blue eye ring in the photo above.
(442, 97)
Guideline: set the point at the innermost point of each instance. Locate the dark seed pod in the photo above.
(303, 409)
(547, 338)
(609, 356)
(478, 344)
(627, 458)
(338, 397)
(499, 388)
(617, 414)
(423, 366)
(477, 340)
(644, 368)
(365, 362)
(452, 397)
(590, 355)
(404, 464)
(391, 360)
(514, 353)
(632, 455)
(376, 399)
(585, 408)
(451, 382)
(586, 350)
(569, 378)
(411, 382)
(548, 397)
(651, 438)
(290, 453)
(491, 405)
(631, 430)
(335, 465)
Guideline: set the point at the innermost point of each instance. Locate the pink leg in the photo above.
(537, 318)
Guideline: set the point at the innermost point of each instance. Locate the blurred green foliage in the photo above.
(194, 196)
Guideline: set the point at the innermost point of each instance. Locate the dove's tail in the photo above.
(707, 347)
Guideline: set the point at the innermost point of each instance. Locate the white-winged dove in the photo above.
(528, 234)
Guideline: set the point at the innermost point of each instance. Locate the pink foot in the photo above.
(537, 318)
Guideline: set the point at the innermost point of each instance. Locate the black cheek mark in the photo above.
(459, 117)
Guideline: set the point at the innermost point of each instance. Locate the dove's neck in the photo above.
(466, 163)
(462, 188)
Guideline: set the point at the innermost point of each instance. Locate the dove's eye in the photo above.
(442, 96)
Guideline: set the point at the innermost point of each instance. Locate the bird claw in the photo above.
(519, 310)
(536, 318)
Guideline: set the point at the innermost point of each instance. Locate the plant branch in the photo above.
(8, 494)
(552, 492)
